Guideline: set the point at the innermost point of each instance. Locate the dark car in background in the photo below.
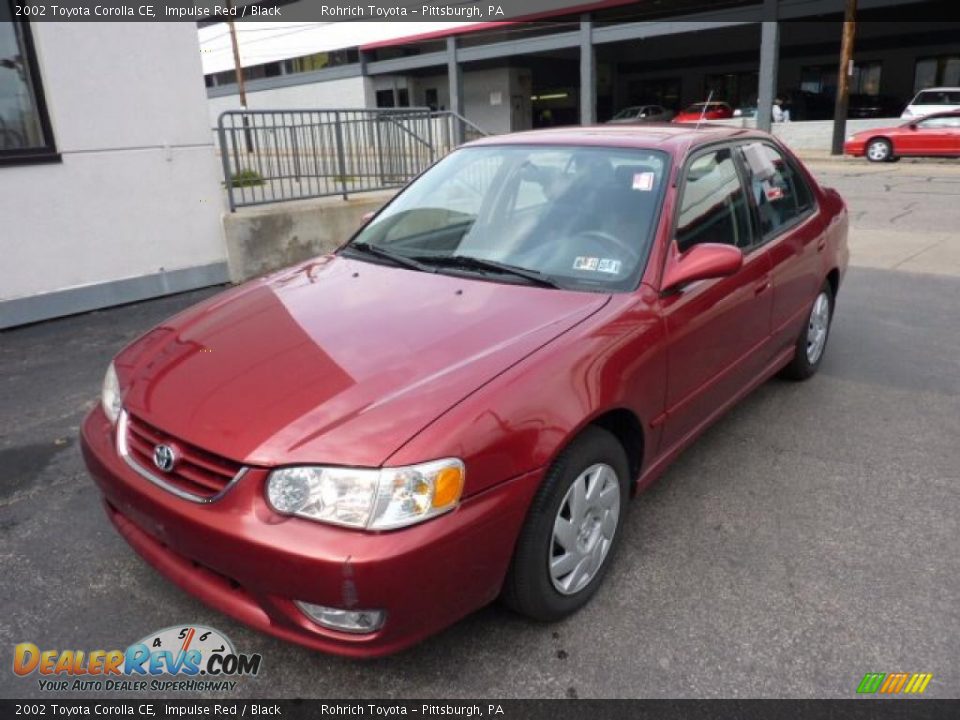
(874, 106)
(642, 114)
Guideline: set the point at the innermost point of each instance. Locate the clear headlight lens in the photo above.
(110, 395)
(363, 498)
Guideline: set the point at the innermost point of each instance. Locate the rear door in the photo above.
(792, 232)
(718, 329)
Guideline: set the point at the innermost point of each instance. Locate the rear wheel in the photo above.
(572, 529)
(879, 150)
(812, 342)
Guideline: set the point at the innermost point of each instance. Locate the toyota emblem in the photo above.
(164, 457)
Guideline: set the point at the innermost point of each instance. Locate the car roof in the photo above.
(673, 138)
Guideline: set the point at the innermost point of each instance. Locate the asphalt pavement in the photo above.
(809, 537)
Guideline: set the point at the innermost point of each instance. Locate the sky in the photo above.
(269, 41)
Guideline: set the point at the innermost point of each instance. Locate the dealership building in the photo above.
(583, 64)
(110, 183)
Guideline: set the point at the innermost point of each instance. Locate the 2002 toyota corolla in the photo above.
(355, 452)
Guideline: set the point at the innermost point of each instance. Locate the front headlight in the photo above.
(363, 498)
(110, 395)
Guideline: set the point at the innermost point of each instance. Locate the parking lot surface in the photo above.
(812, 535)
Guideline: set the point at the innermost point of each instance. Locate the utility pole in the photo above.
(237, 67)
(844, 72)
(238, 71)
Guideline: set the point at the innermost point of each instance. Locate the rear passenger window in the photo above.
(713, 206)
(779, 192)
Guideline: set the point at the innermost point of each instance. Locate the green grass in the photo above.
(246, 178)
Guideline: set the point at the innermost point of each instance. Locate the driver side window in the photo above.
(713, 207)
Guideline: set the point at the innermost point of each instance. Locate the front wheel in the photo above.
(808, 351)
(879, 150)
(572, 529)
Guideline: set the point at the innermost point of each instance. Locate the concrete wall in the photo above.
(133, 210)
(817, 135)
(267, 238)
(811, 135)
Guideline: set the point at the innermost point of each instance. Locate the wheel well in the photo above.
(626, 428)
(833, 277)
(880, 137)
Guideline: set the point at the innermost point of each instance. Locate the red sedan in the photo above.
(935, 135)
(455, 406)
(704, 111)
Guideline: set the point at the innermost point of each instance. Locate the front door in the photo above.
(930, 136)
(717, 329)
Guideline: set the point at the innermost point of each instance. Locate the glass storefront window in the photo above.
(942, 71)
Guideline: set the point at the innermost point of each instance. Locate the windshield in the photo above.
(573, 217)
(937, 97)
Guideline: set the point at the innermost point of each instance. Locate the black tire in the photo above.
(529, 588)
(801, 367)
(878, 150)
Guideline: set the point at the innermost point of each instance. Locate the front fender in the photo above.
(523, 418)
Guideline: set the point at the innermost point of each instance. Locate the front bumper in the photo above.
(239, 556)
(856, 148)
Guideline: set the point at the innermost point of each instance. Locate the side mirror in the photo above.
(701, 262)
(912, 126)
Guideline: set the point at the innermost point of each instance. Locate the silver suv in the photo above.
(932, 100)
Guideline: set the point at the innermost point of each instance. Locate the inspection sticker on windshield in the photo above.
(593, 264)
(643, 181)
(608, 266)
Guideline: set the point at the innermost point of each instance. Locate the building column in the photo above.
(588, 73)
(455, 80)
(769, 60)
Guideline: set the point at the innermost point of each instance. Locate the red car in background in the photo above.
(936, 135)
(704, 111)
(357, 451)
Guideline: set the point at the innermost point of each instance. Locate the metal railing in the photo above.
(273, 156)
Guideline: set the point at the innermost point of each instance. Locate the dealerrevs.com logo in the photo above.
(197, 658)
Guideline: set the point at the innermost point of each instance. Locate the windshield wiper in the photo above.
(468, 262)
(396, 258)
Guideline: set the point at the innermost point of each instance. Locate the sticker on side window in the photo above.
(643, 181)
(772, 192)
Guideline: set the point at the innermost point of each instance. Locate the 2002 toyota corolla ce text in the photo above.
(355, 452)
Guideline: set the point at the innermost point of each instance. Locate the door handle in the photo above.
(760, 287)
(821, 244)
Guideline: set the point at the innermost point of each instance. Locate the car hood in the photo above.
(335, 361)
